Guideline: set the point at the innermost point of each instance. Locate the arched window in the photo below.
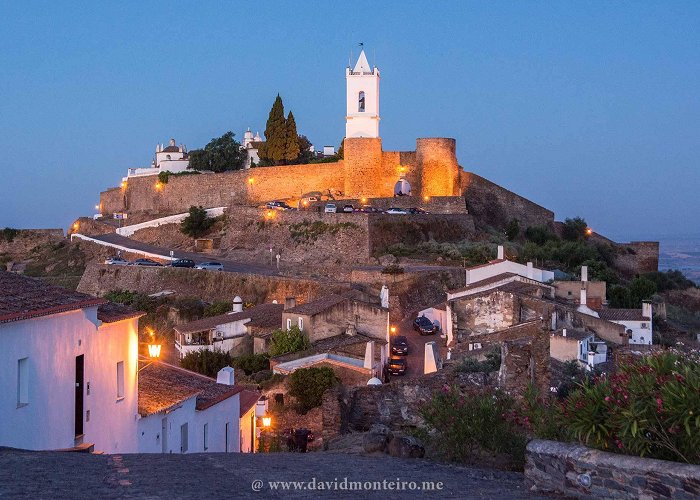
(167, 157)
(361, 102)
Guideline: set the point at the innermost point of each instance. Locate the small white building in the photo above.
(251, 144)
(224, 332)
(570, 344)
(170, 158)
(637, 322)
(501, 265)
(185, 412)
(68, 369)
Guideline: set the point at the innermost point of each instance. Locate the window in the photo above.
(644, 325)
(206, 437)
(361, 102)
(289, 323)
(184, 438)
(120, 380)
(22, 382)
(301, 323)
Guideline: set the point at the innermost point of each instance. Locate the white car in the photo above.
(210, 266)
(117, 261)
(331, 208)
(396, 211)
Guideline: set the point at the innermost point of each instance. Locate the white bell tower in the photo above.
(362, 84)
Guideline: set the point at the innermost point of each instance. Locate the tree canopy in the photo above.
(274, 149)
(220, 155)
(197, 222)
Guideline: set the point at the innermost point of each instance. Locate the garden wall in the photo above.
(577, 471)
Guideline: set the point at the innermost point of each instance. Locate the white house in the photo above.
(570, 344)
(170, 158)
(502, 266)
(225, 331)
(185, 412)
(68, 369)
(251, 144)
(637, 322)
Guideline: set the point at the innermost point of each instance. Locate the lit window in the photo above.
(289, 323)
(23, 382)
(120, 380)
(301, 323)
(361, 102)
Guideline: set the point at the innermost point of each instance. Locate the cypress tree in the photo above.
(275, 134)
(291, 149)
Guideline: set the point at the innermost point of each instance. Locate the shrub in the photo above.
(217, 308)
(632, 295)
(197, 222)
(490, 364)
(669, 280)
(252, 363)
(8, 234)
(540, 234)
(286, 341)
(649, 408)
(307, 385)
(513, 229)
(163, 176)
(463, 426)
(574, 229)
(207, 362)
(392, 269)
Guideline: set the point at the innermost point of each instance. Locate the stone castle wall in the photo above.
(495, 206)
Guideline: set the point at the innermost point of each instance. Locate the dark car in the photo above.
(399, 345)
(183, 263)
(368, 209)
(145, 262)
(414, 210)
(397, 366)
(278, 205)
(424, 326)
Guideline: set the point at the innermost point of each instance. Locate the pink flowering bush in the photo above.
(649, 408)
(463, 425)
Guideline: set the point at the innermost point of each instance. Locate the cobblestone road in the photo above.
(54, 475)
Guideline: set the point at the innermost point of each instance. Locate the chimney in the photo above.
(563, 332)
(530, 271)
(646, 309)
(225, 376)
(583, 300)
(289, 303)
(584, 273)
(237, 305)
(501, 253)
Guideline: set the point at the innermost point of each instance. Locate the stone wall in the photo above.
(576, 471)
(99, 279)
(495, 206)
(363, 169)
(27, 239)
(439, 168)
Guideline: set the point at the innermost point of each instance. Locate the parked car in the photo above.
(424, 326)
(331, 208)
(210, 266)
(396, 211)
(348, 209)
(414, 210)
(399, 346)
(145, 262)
(277, 205)
(117, 261)
(368, 209)
(397, 366)
(182, 263)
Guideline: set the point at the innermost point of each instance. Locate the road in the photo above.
(416, 346)
(229, 265)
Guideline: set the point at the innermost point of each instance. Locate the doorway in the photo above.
(164, 435)
(79, 403)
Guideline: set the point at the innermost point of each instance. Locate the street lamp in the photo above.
(393, 329)
(267, 422)
(154, 351)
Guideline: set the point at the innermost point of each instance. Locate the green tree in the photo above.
(641, 288)
(217, 308)
(305, 153)
(513, 229)
(207, 362)
(340, 154)
(196, 223)
(539, 234)
(574, 229)
(291, 145)
(274, 148)
(307, 385)
(221, 154)
(252, 363)
(619, 296)
(286, 341)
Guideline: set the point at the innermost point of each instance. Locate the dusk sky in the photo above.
(588, 108)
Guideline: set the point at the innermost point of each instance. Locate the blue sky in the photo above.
(588, 108)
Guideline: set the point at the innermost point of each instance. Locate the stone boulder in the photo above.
(406, 447)
(377, 439)
(387, 260)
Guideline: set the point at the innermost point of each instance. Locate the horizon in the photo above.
(588, 110)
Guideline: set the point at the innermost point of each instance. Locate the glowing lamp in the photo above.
(97, 207)
(305, 203)
(589, 231)
(123, 184)
(426, 197)
(267, 421)
(250, 180)
(269, 214)
(364, 200)
(159, 186)
(76, 225)
(154, 350)
(393, 329)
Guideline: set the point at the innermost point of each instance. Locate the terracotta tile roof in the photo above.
(111, 312)
(622, 315)
(484, 282)
(489, 263)
(264, 313)
(248, 400)
(317, 306)
(162, 386)
(23, 298)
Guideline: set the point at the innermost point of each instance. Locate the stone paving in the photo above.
(54, 475)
